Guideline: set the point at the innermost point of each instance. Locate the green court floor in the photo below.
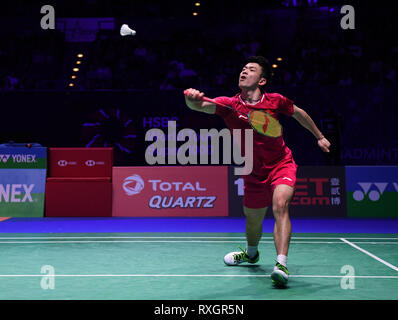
(190, 266)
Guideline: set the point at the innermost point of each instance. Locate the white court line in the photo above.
(373, 242)
(193, 237)
(186, 275)
(182, 241)
(370, 254)
(158, 241)
(143, 237)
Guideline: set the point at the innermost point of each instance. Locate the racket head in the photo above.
(265, 124)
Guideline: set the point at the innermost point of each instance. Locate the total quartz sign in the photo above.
(170, 191)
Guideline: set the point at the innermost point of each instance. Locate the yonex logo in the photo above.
(133, 185)
(374, 195)
(16, 192)
(4, 157)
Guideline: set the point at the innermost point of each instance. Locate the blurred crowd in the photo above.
(193, 58)
(353, 72)
(31, 61)
(198, 57)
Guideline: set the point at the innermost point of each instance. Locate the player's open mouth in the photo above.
(242, 78)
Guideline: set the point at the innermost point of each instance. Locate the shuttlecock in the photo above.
(126, 31)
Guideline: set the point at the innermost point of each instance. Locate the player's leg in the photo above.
(257, 197)
(280, 207)
(282, 231)
(254, 231)
(283, 183)
(254, 224)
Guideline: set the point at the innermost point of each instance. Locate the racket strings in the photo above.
(265, 124)
(260, 121)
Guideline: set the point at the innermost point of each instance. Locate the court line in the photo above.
(143, 237)
(194, 237)
(186, 275)
(182, 241)
(370, 254)
(158, 241)
(374, 242)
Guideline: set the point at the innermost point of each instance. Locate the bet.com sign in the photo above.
(170, 191)
(319, 192)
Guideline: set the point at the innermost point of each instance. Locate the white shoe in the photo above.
(280, 275)
(238, 257)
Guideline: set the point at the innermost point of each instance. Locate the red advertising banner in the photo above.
(319, 192)
(200, 191)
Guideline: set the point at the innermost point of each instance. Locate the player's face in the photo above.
(250, 76)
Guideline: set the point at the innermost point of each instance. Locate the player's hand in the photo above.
(324, 144)
(193, 95)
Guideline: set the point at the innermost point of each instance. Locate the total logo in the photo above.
(133, 185)
(373, 195)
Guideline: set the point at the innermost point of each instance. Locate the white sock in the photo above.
(282, 259)
(251, 251)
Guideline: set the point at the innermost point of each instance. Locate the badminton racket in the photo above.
(261, 121)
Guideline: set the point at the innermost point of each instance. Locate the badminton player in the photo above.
(272, 180)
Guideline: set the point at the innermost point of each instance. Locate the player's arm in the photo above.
(305, 120)
(193, 99)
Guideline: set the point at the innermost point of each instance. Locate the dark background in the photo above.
(345, 79)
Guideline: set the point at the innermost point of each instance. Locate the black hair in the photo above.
(265, 66)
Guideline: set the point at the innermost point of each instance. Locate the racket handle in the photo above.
(215, 102)
(211, 101)
(204, 98)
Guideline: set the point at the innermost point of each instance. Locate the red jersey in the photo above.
(267, 152)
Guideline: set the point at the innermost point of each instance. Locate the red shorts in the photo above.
(258, 189)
